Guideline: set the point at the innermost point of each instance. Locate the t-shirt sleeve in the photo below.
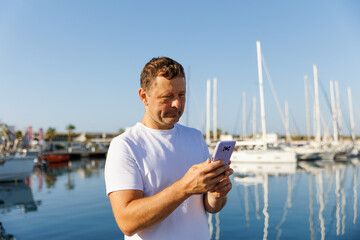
(121, 170)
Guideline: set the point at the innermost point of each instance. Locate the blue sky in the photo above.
(79, 61)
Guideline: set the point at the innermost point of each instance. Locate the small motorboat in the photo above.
(52, 158)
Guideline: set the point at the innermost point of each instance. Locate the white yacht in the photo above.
(16, 168)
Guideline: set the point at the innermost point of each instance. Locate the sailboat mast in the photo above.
(352, 123)
(317, 105)
(287, 122)
(339, 113)
(308, 131)
(333, 109)
(254, 117)
(244, 114)
(208, 89)
(215, 109)
(261, 90)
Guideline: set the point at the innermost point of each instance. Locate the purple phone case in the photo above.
(223, 151)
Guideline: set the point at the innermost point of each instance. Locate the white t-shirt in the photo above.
(150, 160)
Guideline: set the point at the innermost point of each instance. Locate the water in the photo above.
(317, 200)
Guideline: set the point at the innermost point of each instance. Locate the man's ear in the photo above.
(143, 96)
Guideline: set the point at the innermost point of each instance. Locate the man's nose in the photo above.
(176, 103)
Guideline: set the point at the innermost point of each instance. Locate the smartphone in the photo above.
(223, 151)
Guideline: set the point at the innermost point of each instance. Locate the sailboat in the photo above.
(314, 150)
(262, 154)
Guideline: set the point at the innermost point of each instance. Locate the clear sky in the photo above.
(79, 62)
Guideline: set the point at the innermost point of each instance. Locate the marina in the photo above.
(52, 186)
(278, 78)
(304, 200)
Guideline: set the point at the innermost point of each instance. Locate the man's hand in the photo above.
(216, 199)
(207, 176)
(224, 186)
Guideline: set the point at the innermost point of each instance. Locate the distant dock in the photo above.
(78, 154)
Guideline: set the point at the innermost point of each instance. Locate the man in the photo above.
(158, 174)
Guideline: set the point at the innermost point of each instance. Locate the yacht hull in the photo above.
(264, 156)
(13, 168)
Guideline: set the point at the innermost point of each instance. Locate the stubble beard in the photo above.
(174, 113)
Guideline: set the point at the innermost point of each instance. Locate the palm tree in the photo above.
(51, 133)
(18, 138)
(70, 128)
(18, 135)
(4, 130)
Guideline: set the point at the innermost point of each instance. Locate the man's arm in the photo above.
(134, 212)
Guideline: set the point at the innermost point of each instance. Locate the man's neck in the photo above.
(151, 124)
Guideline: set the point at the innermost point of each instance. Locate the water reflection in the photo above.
(217, 225)
(316, 200)
(355, 193)
(287, 206)
(328, 193)
(19, 195)
(16, 196)
(84, 168)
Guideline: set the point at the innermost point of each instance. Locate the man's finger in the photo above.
(220, 170)
(210, 167)
(223, 187)
(208, 161)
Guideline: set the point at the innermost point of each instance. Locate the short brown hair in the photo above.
(161, 66)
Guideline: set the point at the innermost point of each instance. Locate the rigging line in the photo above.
(249, 115)
(357, 110)
(273, 91)
(294, 120)
(201, 122)
(311, 90)
(329, 106)
(326, 127)
(325, 96)
(196, 106)
(237, 120)
(345, 120)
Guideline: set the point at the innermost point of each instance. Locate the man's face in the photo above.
(165, 102)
